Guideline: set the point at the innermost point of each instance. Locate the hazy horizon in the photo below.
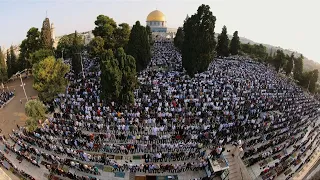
(285, 23)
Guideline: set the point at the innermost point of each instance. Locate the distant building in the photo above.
(157, 22)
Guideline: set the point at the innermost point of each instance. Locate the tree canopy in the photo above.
(289, 66)
(199, 41)
(46, 38)
(40, 55)
(76, 54)
(279, 60)
(149, 33)
(139, 46)
(258, 51)
(298, 68)
(35, 109)
(11, 62)
(65, 45)
(178, 39)
(3, 68)
(28, 46)
(49, 78)
(223, 43)
(96, 47)
(114, 36)
(118, 77)
(235, 44)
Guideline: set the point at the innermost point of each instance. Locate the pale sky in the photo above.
(291, 24)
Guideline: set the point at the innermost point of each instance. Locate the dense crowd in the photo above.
(174, 120)
(5, 96)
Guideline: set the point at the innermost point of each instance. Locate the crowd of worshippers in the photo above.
(5, 96)
(174, 117)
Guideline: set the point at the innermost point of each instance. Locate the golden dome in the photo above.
(156, 16)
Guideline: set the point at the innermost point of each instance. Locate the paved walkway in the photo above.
(3, 175)
(305, 170)
(237, 170)
(13, 113)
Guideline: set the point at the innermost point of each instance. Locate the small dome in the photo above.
(156, 16)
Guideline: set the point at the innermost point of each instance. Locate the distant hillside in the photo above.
(308, 64)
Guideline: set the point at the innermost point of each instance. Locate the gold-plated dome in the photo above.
(156, 16)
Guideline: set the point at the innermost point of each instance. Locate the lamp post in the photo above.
(22, 84)
(62, 53)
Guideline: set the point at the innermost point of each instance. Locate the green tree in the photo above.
(313, 78)
(121, 35)
(3, 68)
(46, 38)
(199, 41)
(28, 46)
(298, 68)
(114, 36)
(127, 65)
(148, 29)
(76, 55)
(235, 44)
(96, 47)
(178, 39)
(9, 65)
(289, 65)
(256, 51)
(279, 60)
(223, 43)
(35, 109)
(65, 45)
(105, 27)
(40, 55)
(111, 77)
(49, 78)
(13, 61)
(139, 47)
(31, 124)
(118, 77)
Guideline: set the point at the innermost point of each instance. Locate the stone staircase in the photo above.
(237, 170)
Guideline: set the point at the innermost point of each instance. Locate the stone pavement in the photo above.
(13, 113)
(305, 170)
(3, 175)
(237, 170)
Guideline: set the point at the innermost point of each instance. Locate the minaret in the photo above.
(53, 36)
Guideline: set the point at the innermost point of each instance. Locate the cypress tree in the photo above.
(279, 60)
(3, 73)
(199, 41)
(13, 60)
(235, 44)
(139, 47)
(9, 64)
(289, 65)
(76, 55)
(298, 68)
(111, 77)
(178, 40)
(46, 37)
(223, 43)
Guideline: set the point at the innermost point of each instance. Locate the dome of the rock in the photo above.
(156, 15)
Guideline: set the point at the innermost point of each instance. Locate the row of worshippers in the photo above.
(5, 96)
(224, 104)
